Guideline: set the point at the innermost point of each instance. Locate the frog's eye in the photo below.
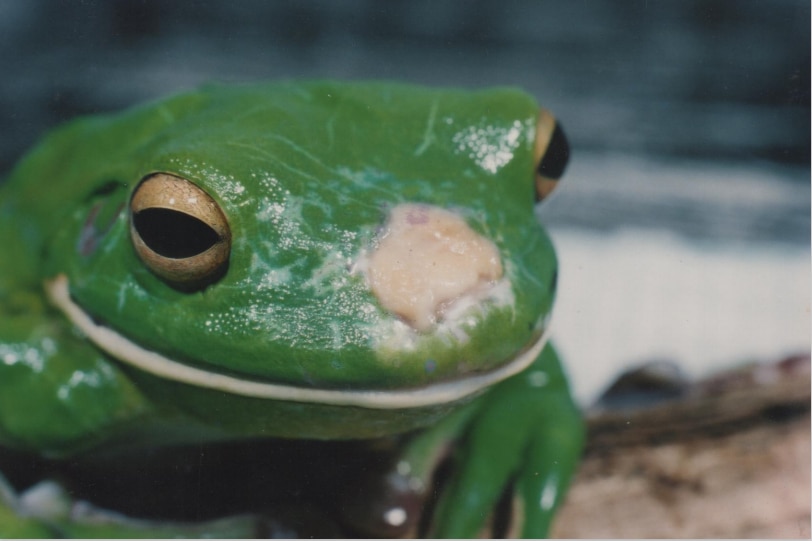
(179, 231)
(552, 154)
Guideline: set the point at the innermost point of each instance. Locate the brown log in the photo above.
(731, 458)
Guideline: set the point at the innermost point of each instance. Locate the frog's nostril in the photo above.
(428, 260)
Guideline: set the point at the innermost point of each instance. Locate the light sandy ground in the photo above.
(752, 484)
(729, 459)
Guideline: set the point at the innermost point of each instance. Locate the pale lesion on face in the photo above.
(427, 260)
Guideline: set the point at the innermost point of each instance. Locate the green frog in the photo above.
(312, 261)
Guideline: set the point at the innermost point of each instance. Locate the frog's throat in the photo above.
(129, 352)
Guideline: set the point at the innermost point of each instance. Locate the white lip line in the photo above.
(149, 361)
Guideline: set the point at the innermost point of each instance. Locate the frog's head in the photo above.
(367, 246)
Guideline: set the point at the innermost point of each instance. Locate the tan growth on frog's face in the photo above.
(429, 258)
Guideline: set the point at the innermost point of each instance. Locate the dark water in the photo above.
(703, 78)
(654, 95)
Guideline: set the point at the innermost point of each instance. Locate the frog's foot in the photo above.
(520, 447)
(510, 492)
(13, 522)
(45, 510)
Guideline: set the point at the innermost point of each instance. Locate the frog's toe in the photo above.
(483, 469)
(469, 506)
(549, 463)
(539, 490)
(14, 521)
(512, 491)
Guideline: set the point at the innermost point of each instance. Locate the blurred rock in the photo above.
(649, 384)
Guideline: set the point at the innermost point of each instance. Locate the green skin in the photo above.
(305, 174)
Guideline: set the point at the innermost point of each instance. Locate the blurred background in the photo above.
(683, 224)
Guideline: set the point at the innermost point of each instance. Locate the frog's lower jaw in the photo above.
(129, 352)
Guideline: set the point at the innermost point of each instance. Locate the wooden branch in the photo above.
(731, 458)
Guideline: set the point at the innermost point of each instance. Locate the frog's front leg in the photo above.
(46, 510)
(525, 435)
(58, 394)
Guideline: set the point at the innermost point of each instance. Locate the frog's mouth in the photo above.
(156, 364)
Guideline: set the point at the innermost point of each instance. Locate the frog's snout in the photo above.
(428, 259)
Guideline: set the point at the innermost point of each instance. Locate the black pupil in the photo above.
(557, 155)
(174, 234)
